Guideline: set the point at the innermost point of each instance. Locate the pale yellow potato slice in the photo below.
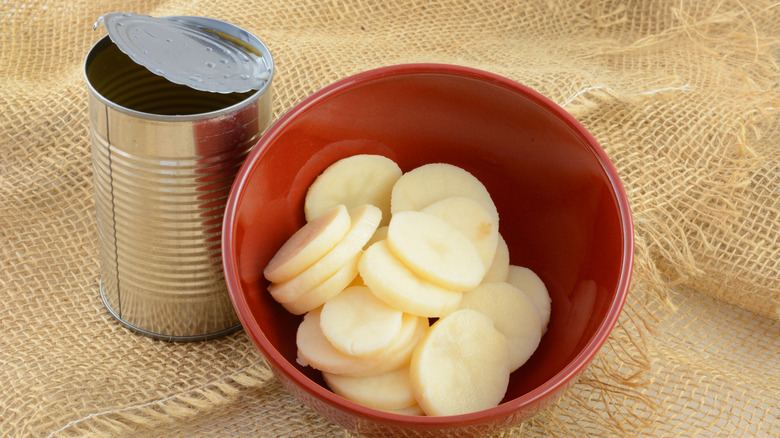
(387, 391)
(435, 250)
(353, 181)
(364, 221)
(512, 314)
(460, 366)
(414, 409)
(308, 244)
(357, 323)
(314, 349)
(392, 282)
(470, 218)
(533, 287)
(424, 185)
(499, 269)
(328, 289)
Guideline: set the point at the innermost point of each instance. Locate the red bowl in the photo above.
(563, 213)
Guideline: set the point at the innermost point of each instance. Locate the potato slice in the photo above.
(387, 391)
(353, 181)
(331, 287)
(365, 220)
(499, 269)
(392, 282)
(533, 287)
(414, 409)
(424, 185)
(512, 314)
(435, 250)
(357, 323)
(314, 349)
(308, 244)
(460, 366)
(470, 218)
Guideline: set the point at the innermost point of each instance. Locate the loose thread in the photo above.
(596, 87)
(685, 87)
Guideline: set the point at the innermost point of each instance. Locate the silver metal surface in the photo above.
(164, 159)
(205, 54)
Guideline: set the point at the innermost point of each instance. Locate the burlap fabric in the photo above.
(683, 96)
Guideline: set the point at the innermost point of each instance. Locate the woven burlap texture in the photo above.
(682, 95)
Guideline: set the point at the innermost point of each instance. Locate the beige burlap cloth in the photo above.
(683, 95)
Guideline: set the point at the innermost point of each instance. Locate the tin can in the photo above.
(164, 157)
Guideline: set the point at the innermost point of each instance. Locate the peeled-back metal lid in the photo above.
(202, 53)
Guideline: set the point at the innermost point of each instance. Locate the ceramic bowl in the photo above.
(563, 213)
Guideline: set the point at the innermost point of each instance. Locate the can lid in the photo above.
(204, 54)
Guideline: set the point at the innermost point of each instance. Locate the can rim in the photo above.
(106, 40)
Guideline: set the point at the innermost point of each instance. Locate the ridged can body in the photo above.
(164, 158)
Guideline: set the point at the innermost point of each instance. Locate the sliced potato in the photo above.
(414, 409)
(387, 391)
(357, 323)
(382, 252)
(512, 314)
(392, 282)
(314, 349)
(499, 269)
(435, 250)
(364, 221)
(326, 290)
(460, 366)
(470, 218)
(424, 185)
(533, 287)
(308, 244)
(353, 181)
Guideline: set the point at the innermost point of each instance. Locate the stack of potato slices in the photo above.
(385, 253)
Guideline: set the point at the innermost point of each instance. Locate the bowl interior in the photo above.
(562, 209)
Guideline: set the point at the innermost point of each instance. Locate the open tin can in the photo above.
(175, 105)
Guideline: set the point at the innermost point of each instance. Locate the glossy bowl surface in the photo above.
(563, 213)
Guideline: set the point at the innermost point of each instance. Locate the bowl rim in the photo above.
(557, 382)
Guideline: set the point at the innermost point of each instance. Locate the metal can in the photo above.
(164, 156)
